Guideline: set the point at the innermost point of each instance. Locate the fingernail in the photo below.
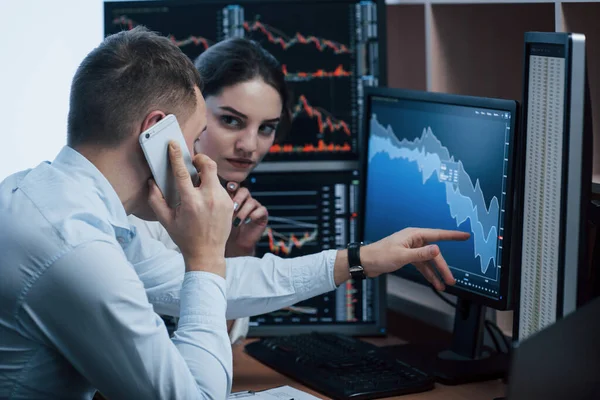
(432, 250)
(247, 220)
(236, 222)
(235, 206)
(232, 186)
(173, 145)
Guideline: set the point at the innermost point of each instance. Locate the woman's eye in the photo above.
(230, 121)
(267, 129)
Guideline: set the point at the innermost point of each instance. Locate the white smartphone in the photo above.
(155, 145)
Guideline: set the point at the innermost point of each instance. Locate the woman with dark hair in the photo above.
(247, 111)
(247, 106)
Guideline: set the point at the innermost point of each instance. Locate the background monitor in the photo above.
(557, 180)
(329, 50)
(446, 161)
(310, 212)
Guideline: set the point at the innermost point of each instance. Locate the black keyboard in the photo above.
(340, 367)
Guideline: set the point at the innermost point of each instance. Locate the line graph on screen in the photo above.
(449, 194)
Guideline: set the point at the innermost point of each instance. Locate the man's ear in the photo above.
(151, 119)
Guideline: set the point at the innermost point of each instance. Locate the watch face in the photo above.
(358, 276)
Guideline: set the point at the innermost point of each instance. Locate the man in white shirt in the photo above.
(75, 317)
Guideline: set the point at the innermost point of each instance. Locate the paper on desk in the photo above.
(279, 393)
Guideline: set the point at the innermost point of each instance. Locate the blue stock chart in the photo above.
(440, 166)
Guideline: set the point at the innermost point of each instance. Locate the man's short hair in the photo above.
(128, 75)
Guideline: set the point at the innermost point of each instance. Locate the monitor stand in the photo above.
(466, 360)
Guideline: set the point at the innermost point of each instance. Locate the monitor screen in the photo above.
(557, 142)
(328, 51)
(443, 161)
(310, 212)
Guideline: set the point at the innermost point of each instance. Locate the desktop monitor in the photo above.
(446, 161)
(557, 169)
(309, 212)
(329, 50)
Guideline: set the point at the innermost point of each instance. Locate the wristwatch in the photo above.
(356, 270)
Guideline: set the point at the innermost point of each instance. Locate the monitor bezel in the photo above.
(377, 328)
(506, 275)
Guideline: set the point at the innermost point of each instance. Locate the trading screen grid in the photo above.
(328, 52)
(307, 215)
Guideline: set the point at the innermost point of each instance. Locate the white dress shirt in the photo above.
(254, 285)
(76, 317)
(153, 229)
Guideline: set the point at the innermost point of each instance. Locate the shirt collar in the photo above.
(81, 169)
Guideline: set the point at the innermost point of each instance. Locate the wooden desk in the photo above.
(249, 374)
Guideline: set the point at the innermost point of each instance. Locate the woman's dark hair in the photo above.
(238, 60)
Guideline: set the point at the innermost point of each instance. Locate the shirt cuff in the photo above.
(330, 256)
(203, 298)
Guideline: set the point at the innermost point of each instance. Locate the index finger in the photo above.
(208, 170)
(435, 235)
(183, 182)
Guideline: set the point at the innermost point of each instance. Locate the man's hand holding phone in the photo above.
(201, 223)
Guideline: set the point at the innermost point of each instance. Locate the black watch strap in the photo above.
(355, 266)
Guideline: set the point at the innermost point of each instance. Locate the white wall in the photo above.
(41, 44)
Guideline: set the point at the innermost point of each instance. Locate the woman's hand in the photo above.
(249, 222)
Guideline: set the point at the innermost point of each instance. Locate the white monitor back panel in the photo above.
(554, 179)
(543, 182)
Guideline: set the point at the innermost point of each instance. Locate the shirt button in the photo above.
(120, 239)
